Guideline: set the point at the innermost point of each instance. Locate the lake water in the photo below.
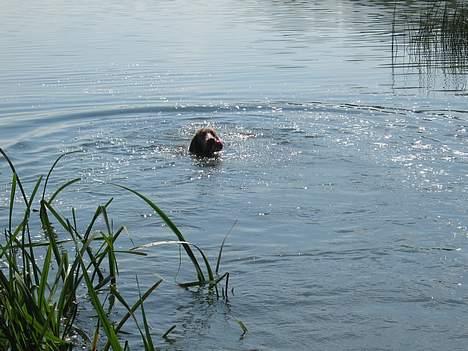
(344, 173)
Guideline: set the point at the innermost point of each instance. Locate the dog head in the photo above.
(206, 143)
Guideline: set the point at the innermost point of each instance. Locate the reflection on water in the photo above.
(433, 44)
(344, 166)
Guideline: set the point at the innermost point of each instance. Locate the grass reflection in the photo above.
(436, 37)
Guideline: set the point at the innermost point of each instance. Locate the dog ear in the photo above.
(196, 146)
(193, 145)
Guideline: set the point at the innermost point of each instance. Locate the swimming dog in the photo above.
(205, 143)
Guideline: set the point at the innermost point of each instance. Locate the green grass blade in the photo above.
(31, 267)
(12, 202)
(136, 304)
(188, 285)
(148, 339)
(165, 335)
(38, 326)
(131, 310)
(218, 261)
(49, 231)
(12, 167)
(184, 243)
(38, 244)
(67, 227)
(130, 252)
(172, 226)
(52, 168)
(106, 324)
(61, 188)
(112, 260)
(130, 314)
(44, 277)
(243, 327)
(103, 283)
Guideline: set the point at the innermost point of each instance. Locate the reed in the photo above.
(42, 281)
(439, 37)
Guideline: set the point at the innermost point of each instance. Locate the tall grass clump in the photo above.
(439, 36)
(43, 282)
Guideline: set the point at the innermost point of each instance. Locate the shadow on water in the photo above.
(432, 42)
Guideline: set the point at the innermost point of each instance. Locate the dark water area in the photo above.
(344, 172)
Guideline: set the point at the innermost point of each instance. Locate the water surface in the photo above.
(344, 170)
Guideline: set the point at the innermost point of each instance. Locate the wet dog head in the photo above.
(206, 143)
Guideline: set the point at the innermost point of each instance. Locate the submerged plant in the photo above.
(41, 280)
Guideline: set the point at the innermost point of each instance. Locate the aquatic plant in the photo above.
(42, 282)
(442, 32)
(437, 36)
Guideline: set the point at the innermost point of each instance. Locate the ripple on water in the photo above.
(340, 215)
